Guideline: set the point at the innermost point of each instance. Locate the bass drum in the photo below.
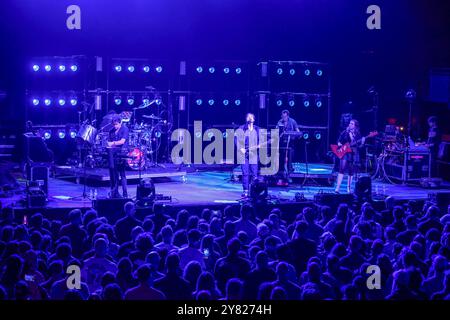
(136, 159)
(87, 133)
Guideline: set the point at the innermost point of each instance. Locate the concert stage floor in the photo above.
(210, 188)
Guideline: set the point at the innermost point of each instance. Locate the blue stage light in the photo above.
(62, 68)
(212, 69)
(225, 135)
(280, 71)
(319, 72)
(118, 68)
(146, 101)
(318, 135)
(292, 72)
(279, 102)
(61, 102)
(47, 134)
(306, 135)
(307, 72)
(36, 68)
(211, 102)
(47, 102)
(237, 102)
(199, 102)
(291, 102)
(306, 103)
(238, 70)
(35, 102)
(130, 68)
(146, 69)
(318, 103)
(48, 68)
(226, 102)
(61, 134)
(210, 135)
(73, 101)
(199, 69)
(130, 100)
(158, 101)
(74, 67)
(226, 70)
(158, 134)
(159, 69)
(118, 101)
(73, 133)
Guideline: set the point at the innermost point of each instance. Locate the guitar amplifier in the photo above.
(408, 166)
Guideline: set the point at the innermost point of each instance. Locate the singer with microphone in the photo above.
(117, 143)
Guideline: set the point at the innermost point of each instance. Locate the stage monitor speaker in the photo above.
(112, 209)
(363, 189)
(333, 200)
(38, 172)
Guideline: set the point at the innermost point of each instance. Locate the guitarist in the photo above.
(249, 150)
(351, 135)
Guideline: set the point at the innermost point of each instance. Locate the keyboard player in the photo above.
(286, 124)
(117, 146)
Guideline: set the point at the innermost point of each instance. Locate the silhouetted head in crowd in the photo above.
(107, 278)
(278, 293)
(88, 216)
(206, 281)
(355, 244)
(229, 229)
(243, 237)
(342, 212)
(262, 260)
(100, 247)
(206, 214)
(75, 217)
(234, 289)
(194, 237)
(130, 209)
(309, 214)
(173, 263)
(215, 227)
(282, 271)
(112, 292)
(124, 267)
(182, 218)
(234, 245)
(144, 242)
(167, 234)
(300, 228)
(36, 221)
(148, 225)
(73, 295)
(143, 274)
(7, 234)
(192, 223)
(153, 260)
(203, 295)
(192, 271)
(246, 212)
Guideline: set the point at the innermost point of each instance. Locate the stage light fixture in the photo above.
(73, 133)
(74, 68)
(61, 134)
(199, 69)
(291, 101)
(117, 100)
(36, 68)
(307, 72)
(225, 135)
(318, 135)
(61, 101)
(198, 134)
(47, 102)
(280, 71)
(47, 134)
(237, 102)
(211, 102)
(118, 68)
(226, 70)
(306, 102)
(35, 102)
(238, 70)
(210, 135)
(130, 100)
(146, 69)
(226, 102)
(158, 134)
(292, 72)
(212, 69)
(73, 101)
(319, 72)
(279, 101)
(199, 102)
(145, 100)
(62, 68)
(48, 68)
(130, 68)
(305, 135)
(159, 69)
(318, 102)
(158, 101)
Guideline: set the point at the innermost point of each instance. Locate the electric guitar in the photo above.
(341, 151)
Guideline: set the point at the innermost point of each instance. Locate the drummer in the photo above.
(118, 140)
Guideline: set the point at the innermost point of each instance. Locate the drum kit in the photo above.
(143, 143)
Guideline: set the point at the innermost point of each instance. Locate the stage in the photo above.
(212, 189)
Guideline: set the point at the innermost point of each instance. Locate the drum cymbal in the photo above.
(153, 117)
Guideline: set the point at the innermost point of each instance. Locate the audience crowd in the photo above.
(318, 254)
